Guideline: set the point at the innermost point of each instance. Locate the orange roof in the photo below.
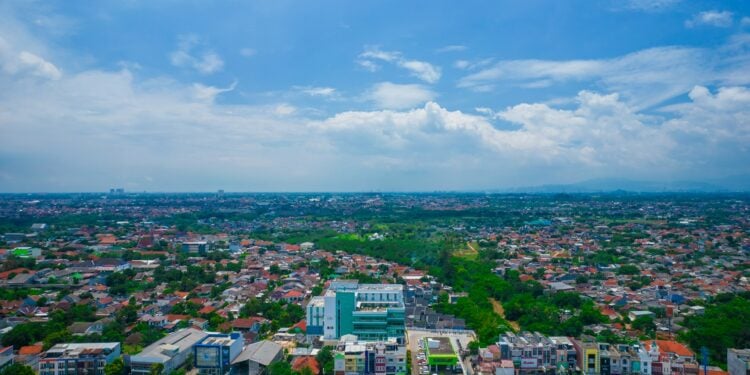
(666, 346)
(206, 310)
(30, 350)
(310, 362)
(293, 294)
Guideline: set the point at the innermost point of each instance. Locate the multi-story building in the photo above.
(78, 358)
(567, 358)
(171, 351)
(368, 357)
(738, 361)
(372, 312)
(588, 357)
(315, 316)
(530, 352)
(214, 354)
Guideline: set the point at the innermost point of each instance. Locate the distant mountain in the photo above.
(737, 183)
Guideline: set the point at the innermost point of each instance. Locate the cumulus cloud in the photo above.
(398, 96)
(711, 18)
(421, 69)
(205, 61)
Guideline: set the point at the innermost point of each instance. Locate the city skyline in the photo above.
(370, 96)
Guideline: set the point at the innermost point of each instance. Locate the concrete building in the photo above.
(372, 312)
(171, 351)
(214, 354)
(315, 316)
(256, 357)
(530, 352)
(195, 247)
(79, 358)
(6, 356)
(440, 353)
(738, 361)
(367, 357)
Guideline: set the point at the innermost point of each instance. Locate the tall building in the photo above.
(738, 361)
(214, 354)
(78, 359)
(372, 312)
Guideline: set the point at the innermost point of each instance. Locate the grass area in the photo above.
(131, 349)
(499, 310)
(470, 252)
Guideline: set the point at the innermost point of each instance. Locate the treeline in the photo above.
(723, 325)
(563, 314)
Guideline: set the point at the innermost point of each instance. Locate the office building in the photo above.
(372, 312)
(530, 352)
(214, 354)
(171, 351)
(78, 358)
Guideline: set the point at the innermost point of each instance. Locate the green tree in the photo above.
(325, 359)
(117, 367)
(156, 369)
(17, 369)
(280, 368)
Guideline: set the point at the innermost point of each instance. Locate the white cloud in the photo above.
(745, 21)
(396, 96)
(451, 48)
(15, 60)
(205, 62)
(644, 78)
(711, 18)
(650, 5)
(461, 64)
(248, 52)
(284, 109)
(316, 91)
(209, 93)
(420, 69)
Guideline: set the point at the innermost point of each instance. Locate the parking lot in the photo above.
(418, 356)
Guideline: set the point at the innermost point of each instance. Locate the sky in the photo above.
(166, 95)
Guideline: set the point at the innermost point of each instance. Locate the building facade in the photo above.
(78, 358)
(372, 312)
(369, 358)
(214, 354)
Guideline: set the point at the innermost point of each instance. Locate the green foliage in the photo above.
(628, 269)
(282, 314)
(17, 369)
(644, 324)
(325, 359)
(117, 367)
(723, 325)
(280, 368)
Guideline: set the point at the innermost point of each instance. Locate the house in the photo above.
(87, 328)
(248, 324)
(310, 362)
(29, 355)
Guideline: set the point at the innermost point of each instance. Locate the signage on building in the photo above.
(529, 362)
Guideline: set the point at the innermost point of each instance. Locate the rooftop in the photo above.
(444, 346)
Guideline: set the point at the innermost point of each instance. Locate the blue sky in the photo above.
(370, 95)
